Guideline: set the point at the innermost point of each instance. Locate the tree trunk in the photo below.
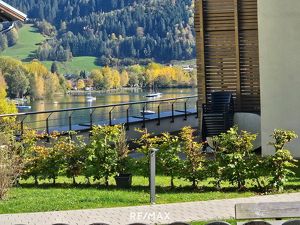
(36, 182)
(106, 181)
(194, 185)
(172, 182)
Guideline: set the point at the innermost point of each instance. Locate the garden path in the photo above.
(155, 214)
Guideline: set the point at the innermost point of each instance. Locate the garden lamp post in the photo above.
(152, 174)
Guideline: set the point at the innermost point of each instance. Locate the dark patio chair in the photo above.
(218, 223)
(217, 115)
(257, 223)
(292, 222)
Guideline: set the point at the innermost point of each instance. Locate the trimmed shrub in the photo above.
(233, 151)
(193, 164)
(168, 156)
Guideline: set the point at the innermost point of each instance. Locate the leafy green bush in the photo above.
(168, 156)
(145, 143)
(282, 162)
(233, 151)
(103, 155)
(107, 155)
(34, 155)
(74, 156)
(193, 164)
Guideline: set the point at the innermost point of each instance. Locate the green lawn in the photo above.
(64, 196)
(28, 42)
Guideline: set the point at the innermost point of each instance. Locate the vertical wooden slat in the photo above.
(237, 54)
(227, 51)
(201, 50)
(199, 26)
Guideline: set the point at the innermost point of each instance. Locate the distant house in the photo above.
(188, 68)
(9, 13)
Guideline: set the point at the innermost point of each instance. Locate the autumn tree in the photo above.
(115, 78)
(97, 78)
(3, 42)
(44, 83)
(18, 83)
(5, 106)
(37, 86)
(124, 78)
(80, 84)
(12, 37)
(69, 85)
(108, 82)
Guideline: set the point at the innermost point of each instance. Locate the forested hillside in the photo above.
(113, 30)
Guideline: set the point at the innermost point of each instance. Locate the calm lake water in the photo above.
(82, 116)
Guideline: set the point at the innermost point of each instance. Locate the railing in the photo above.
(84, 118)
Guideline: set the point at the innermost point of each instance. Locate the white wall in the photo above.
(249, 122)
(279, 43)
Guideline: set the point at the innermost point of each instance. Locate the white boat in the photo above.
(154, 95)
(147, 112)
(91, 98)
(23, 106)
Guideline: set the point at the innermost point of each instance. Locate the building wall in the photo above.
(227, 52)
(279, 43)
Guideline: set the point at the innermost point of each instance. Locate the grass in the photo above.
(29, 38)
(65, 196)
(76, 65)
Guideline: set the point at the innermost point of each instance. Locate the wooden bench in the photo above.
(271, 212)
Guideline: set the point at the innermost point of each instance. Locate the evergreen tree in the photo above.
(54, 67)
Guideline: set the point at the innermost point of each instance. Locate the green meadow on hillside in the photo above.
(29, 40)
(76, 65)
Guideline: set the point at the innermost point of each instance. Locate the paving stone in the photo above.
(151, 214)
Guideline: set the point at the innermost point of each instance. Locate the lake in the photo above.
(82, 116)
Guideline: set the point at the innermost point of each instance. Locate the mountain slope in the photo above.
(123, 29)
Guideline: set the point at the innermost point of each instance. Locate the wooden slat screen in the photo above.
(227, 51)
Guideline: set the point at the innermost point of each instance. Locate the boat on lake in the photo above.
(154, 95)
(91, 98)
(23, 107)
(147, 112)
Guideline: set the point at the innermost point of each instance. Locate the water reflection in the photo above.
(82, 116)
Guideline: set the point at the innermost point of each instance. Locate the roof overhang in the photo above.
(9, 13)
